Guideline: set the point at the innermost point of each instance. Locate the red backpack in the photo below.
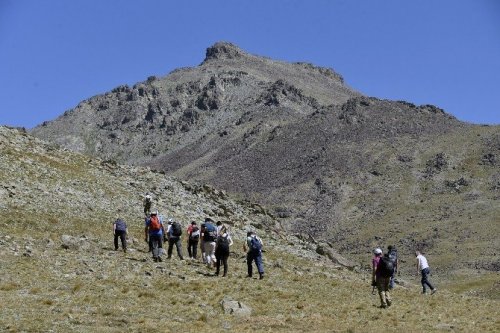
(154, 223)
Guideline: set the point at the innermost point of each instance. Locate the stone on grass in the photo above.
(235, 308)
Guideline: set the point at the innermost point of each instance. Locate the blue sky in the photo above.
(56, 53)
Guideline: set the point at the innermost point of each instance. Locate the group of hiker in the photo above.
(213, 239)
(386, 266)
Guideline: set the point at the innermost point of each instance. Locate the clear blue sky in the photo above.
(55, 53)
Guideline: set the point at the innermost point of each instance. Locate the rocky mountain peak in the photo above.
(223, 50)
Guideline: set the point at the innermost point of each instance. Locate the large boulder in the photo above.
(236, 308)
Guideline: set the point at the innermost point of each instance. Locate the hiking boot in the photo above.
(383, 306)
(159, 259)
(124, 250)
(261, 276)
(155, 259)
(389, 303)
(433, 291)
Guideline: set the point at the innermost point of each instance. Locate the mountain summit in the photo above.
(330, 163)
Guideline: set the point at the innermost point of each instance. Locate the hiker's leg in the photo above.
(387, 293)
(391, 281)
(190, 246)
(115, 236)
(123, 238)
(423, 280)
(249, 264)
(427, 282)
(218, 258)
(224, 261)
(258, 262)
(170, 247)
(178, 245)
(210, 252)
(155, 244)
(203, 252)
(381, 292)
(195, 249)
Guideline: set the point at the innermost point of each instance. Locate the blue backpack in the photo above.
(255, 245)
(210, 233)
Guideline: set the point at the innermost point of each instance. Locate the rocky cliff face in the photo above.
(321, 158)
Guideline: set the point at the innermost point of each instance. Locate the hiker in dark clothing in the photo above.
(393, 254)
(174, 238)
(381, 278)
(224, 241)
(148, 200)
(253, 247)
(120, 231)
(193, 237)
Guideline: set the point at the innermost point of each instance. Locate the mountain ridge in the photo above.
(326, 160)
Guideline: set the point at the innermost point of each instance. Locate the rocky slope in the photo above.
(60, 272)
(324, 160)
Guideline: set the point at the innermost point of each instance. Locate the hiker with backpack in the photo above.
(148, 200)
(174, 233)
(154, 232)
(209, 237)
(424, 269)
(224, 241)
(382, 269)
(393, 254)
(193, 233)
(120, 231)
(253, 247)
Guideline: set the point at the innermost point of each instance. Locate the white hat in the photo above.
(377, 251)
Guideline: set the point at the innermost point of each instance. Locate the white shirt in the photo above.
(422, 262)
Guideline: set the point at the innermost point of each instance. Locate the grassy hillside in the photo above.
(47, 193)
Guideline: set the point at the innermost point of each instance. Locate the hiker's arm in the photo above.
(418, 266)
(114, 228)
(146, 233)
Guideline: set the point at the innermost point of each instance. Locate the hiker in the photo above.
(174, 233)
(154, 232)
(219, 227)
(382, 269)
(253, 247)
(193, 237)
(148, 200)
(424, 269)
(120, 231)
(224, 241)
(209, 237)
(393, 254)
(202, 243)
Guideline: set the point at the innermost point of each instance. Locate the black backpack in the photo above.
(176, 229)
(386, 266)
(222, 244)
